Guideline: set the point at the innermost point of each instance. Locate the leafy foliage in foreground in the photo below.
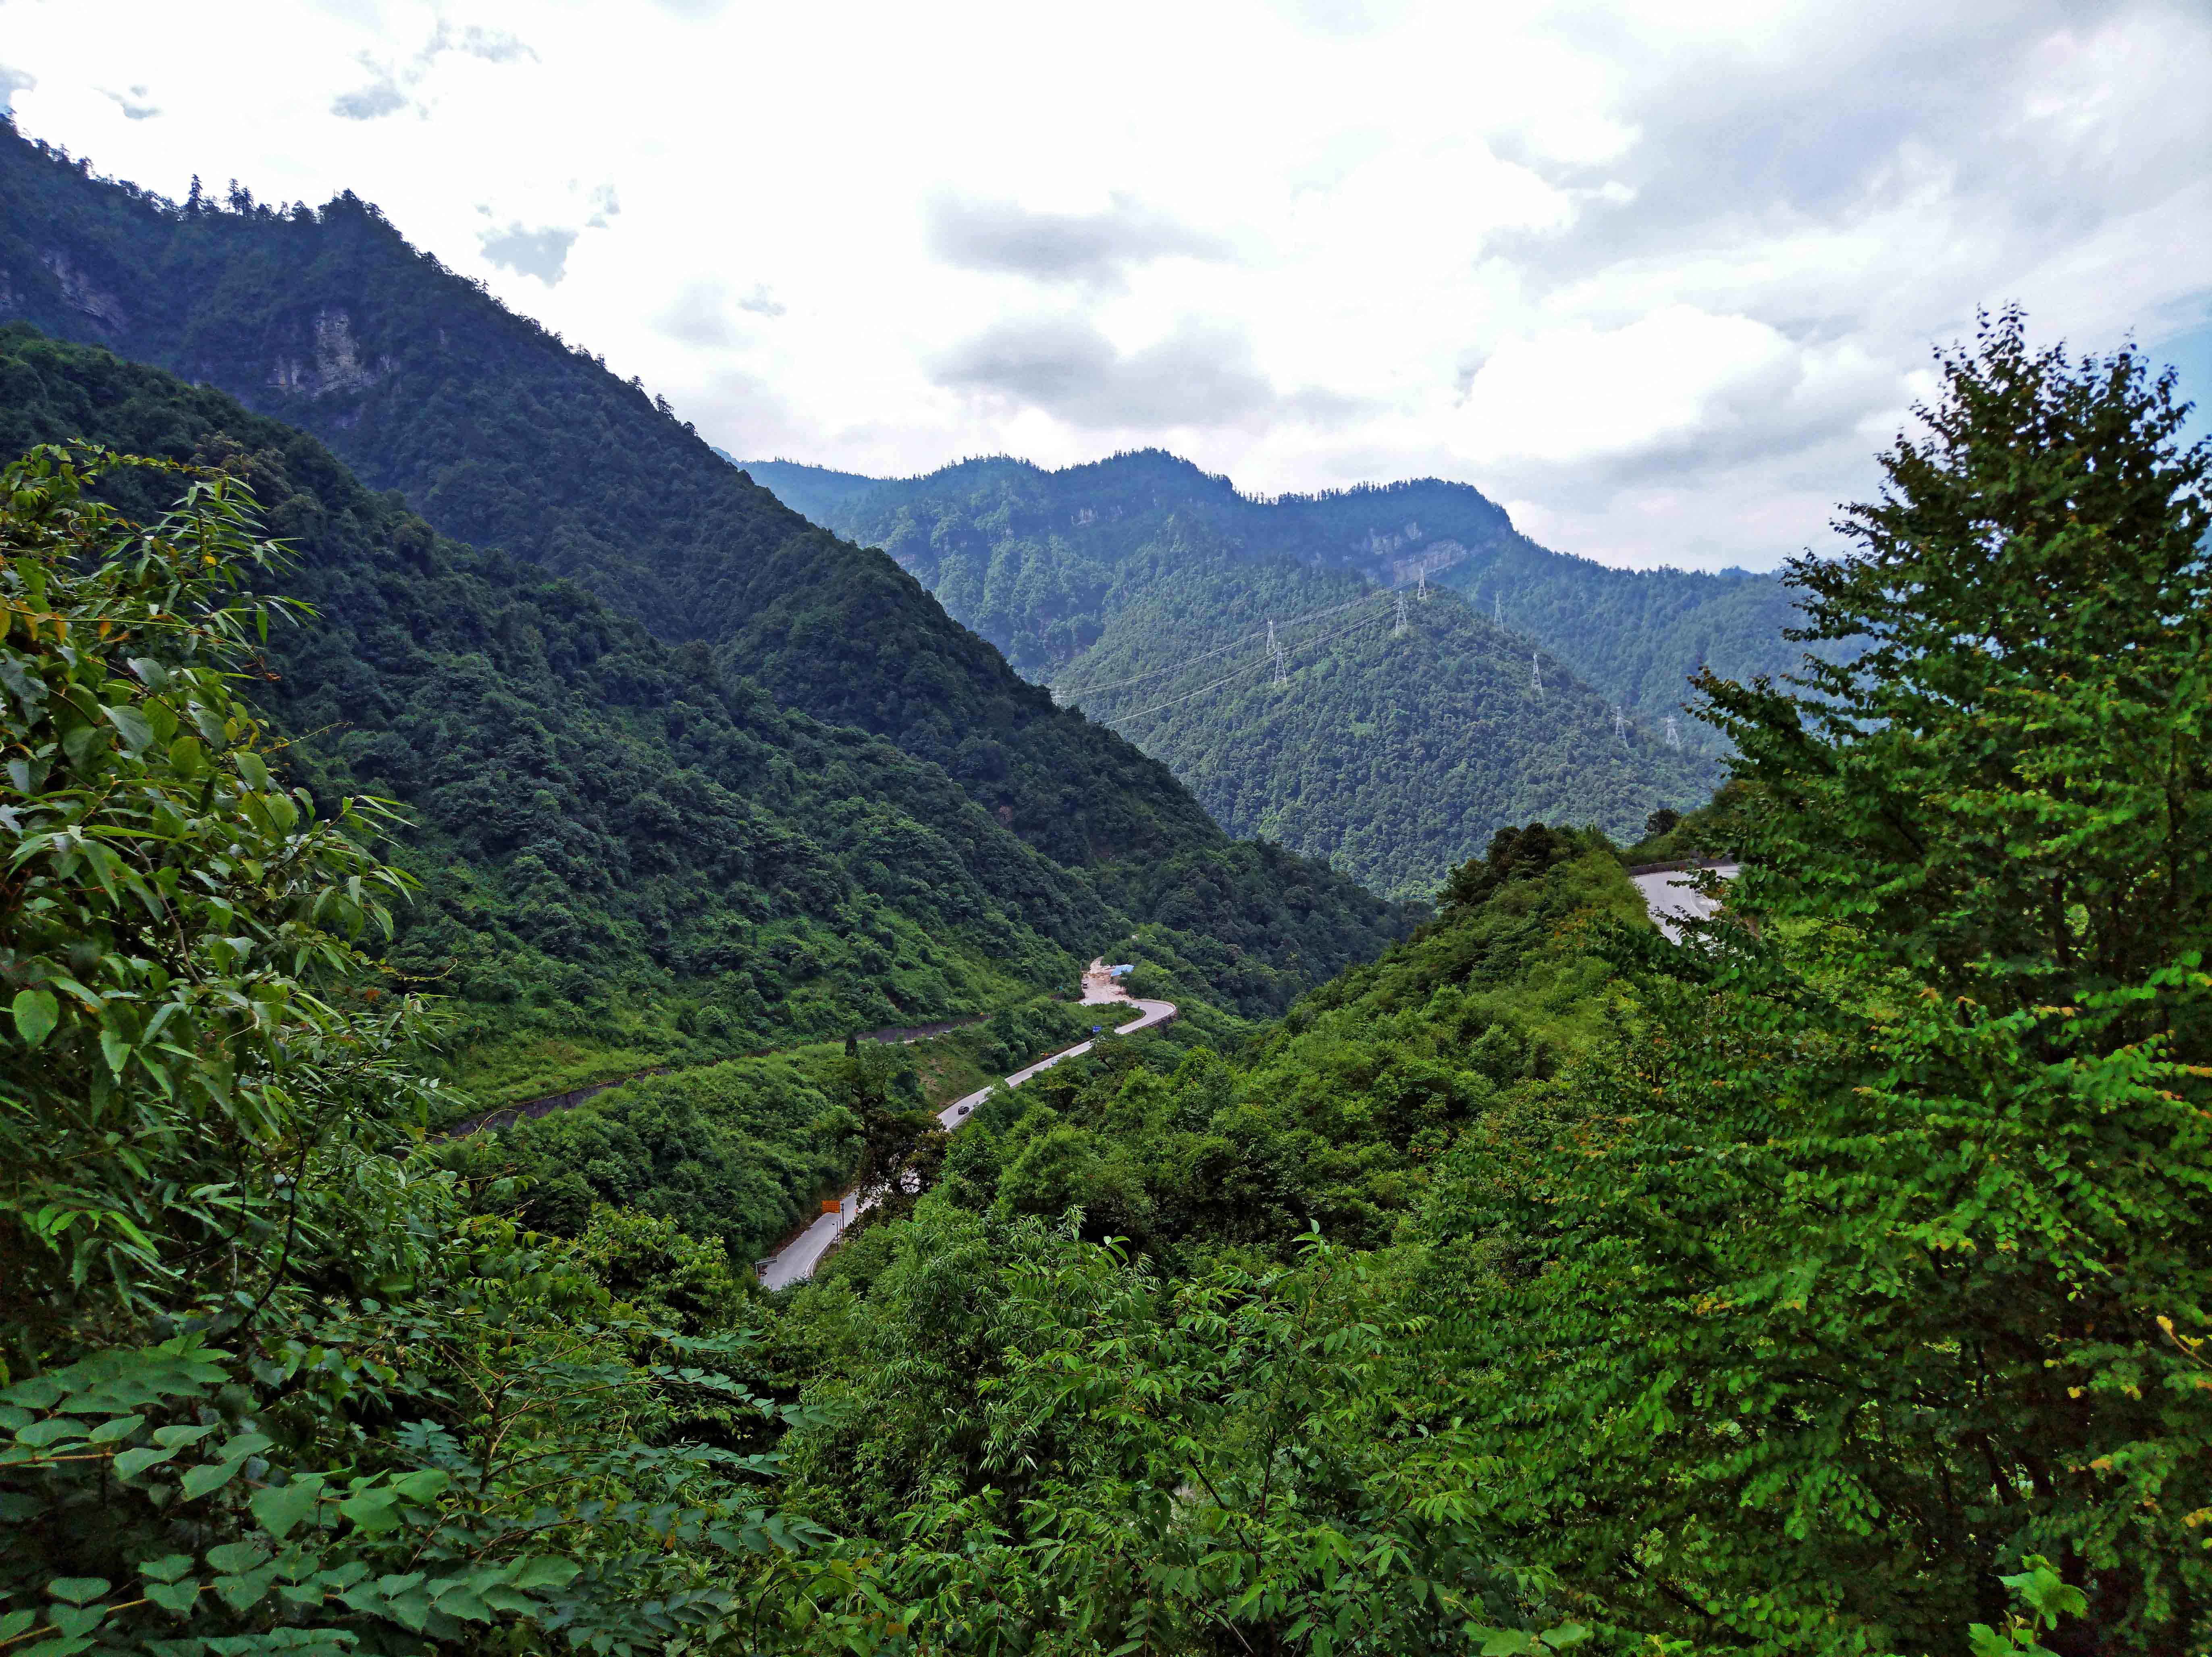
(1836, 1284)
(266, 1385)
(1958, 1074)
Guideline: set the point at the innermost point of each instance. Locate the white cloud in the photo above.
(1661, 277)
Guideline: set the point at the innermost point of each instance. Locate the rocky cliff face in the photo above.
(82, 294)
(335, 363)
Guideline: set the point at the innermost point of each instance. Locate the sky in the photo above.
(1661, 277)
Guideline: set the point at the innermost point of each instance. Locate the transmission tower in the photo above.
(1536, 675)
(1424, 588)
(1619, 724)
(1399, 630)
(1674, 737)
(1272, 650)
(1282, 674)
(1498, 608)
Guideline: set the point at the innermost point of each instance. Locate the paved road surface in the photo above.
(1671, 901)
(796, 1260)
(1668, 895)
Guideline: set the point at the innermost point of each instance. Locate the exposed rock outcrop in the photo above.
(79, 294)
(338, 363)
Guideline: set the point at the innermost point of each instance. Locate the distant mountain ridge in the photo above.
(1395, 757)
(1395, 734)
(1030, 558)
(501, 434)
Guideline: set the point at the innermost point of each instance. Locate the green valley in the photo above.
(544, 1106)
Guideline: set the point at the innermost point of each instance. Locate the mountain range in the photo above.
(669, 745)
(1537, 687)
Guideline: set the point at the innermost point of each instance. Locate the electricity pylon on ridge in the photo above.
(1619, 724)
(1272, 650)
(1498, 608)
(1282, 674)
(1536, 674)
(1399, 630)
(1424, 587)
(1674, 737)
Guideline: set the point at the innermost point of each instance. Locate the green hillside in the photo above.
(1039, 562)
(499, 433)
(1393, 756)
(631, 857)
(502, 434)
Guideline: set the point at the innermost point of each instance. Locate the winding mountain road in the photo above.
(795, 1261)
(1667, 893)
(1672, 900)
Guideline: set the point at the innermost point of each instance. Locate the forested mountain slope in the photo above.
(603, 820)
(502, 434)
(1036, 562)
(1394, 754)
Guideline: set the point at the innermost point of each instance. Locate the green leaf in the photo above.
(240, 1446)
(137, 735)
(423, 1486)
(250, 770)
(372, 1511)
(237, 1556)
(36, 1014)
(544, 1571)
(175, 1438)
(40, 1434)
(207, 1476)
(178, 1597)
(78, 1590)
(169, 1568)
(121, 1427)
(16, 1622)
(61, 1647)
(69, 1621)
(240, 1592)
(456, 1599)
(278, 1511)
(136, 1461)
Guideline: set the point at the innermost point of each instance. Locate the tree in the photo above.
(170, 918)
(268, 1384)
(1880, 1262)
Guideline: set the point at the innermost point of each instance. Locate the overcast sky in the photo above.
(1658, 276)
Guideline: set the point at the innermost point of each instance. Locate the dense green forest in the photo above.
(1834, 1282)
(630, 857)
(1395, 764)
(502, 434)
(1393, 755)
(1039, 562)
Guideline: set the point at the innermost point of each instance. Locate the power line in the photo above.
(1065, 691)
(1280, 660)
